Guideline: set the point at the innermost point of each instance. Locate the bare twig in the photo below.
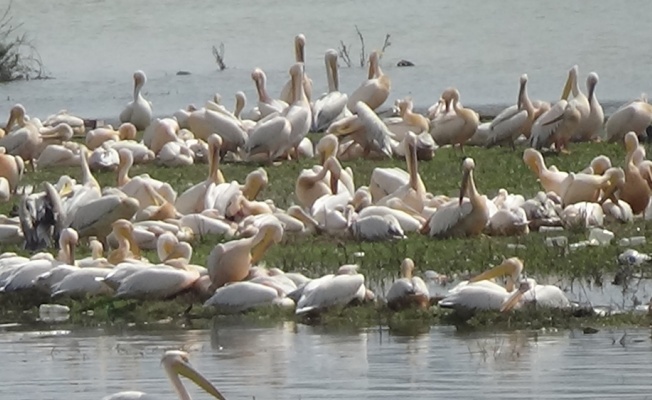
(219, 57)
(386, 44)
(363, 56)
(343, 52)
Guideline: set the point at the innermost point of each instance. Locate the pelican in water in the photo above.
(299, 113)
(514, 120)
(634, 116)
(556, 126)
(231, 261)
(175, 363)
(466, 216)
(590, 110)
(332, 105)
(288, 95)
(409, 290)
(139, 110)
(375, 90)
(456, 124)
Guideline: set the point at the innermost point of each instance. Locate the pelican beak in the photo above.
(610, 193)
(10, 122)
(465, 184)
(188, 371)
(512, 301)
(259, 249)
(133, 245)
(71, 252)
(567, 87)
(554, 121)
(499, 270)
(335, 179)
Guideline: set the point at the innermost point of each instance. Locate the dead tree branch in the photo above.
(19, 59)
(219, 57)
(343, 52)
(386, 44)
(363, 56)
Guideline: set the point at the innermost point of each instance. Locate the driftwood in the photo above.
(219, 57)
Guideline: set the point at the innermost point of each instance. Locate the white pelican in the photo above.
(288, 95)
(508, 222)
(11, 169)
(484, 297)
(375, 90)
(551, 180)
(266, 105)
(365, 129)
(407, 121)
(634, 116)
(332, 105)
(457, 124)
(136, 186)
(514, 120)
(375, 227)
(636, 190)
(237, 297)
(82, 282)
(205, 122)
(63, 117)
(95, 217)
(299, 113)
(97, 136)
(103, 158)
(582, 215)
(409, 290)
(408, 222)
(24, 141)
(331, 290)
(139, 110)
(193, 199)
(587, 187)
(230, 261)
(175, 363)
(67, 154)
(310, 185)
(466, 216)
(542, 296)
(270, 137)
(556, 126)
(159, 282)
(590, 125)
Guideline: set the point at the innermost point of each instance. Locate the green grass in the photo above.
(495, 168)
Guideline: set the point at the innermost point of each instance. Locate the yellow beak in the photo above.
(512, 301)
(567, 88)
(465, 184)
(185, 369)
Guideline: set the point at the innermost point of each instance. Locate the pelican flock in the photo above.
(142, 230)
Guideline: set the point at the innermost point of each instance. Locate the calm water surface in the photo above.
(287, 361)
(92, 47)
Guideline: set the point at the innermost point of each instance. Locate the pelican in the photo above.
(374, 227)
(24, 141)
(266, 105)
(103, 158)
(288, 95)
(230, 261)
(591, 124)
(63, 117)
(464, 217)
(634, 116)
(332, 105)
(582, 214)
(481, 297)
(11, 169)
(542, 296)
(588, 188)
(299, 113)
(135, 187)
(375, 90)
(270, 136)
(96, 137)
(67, 154)
(175, 363)
(366, 129)
(412, 193)
(636, 190)
(551, 180)
(242, 296)
(514, 120)
(456, 125)
(139, 110)
(205, 122)
(556, 126)
(331, 290)
(508, 222)
(409, 290)
(193, 199)
(159, 282)
(311, 185)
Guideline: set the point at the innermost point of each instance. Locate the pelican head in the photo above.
(268, 234)
(296, 70)
(67, 243)
(533, 159)
(335, 169)
(177, 363)
(17, 113)
(515, 298)
(570, 81)
(631, 141)
(256, 181)
(591, 82)
(407, 266)
(299, 45)
(139, 79)
(468, 165)
(123, 229)
(512, 267)
(523, 79)
(127, 131)
(600, 164)
(327, 147)
(615, 180)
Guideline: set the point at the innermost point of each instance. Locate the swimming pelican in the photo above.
(466, 216)
(139, 110)
(375, 90)
(456, 125)
(288, 95)
(299, 113)
(409, 290)
(332, 105)
(556, 126)
(230, 261)
(175, 363)
(634, 116)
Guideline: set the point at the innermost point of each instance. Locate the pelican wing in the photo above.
(159, 282)
(446, 218)
(327, 109)
(241, 296)
(444, 127)
(546, 125)
(377, 132)
(400, 288)
(269, 136)
(329, 291)
(507, 125)
(476, 297)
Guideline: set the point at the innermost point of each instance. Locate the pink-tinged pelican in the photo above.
(288, 95)
(332, 105)
(634, 116)
(635, 191)
(139, 110)
(591, 114)
(551, 179)
(11, 169)
(466, 216)
(409, 291)
(375, 90)
(456, 125)
(25, 140)
(175, 363)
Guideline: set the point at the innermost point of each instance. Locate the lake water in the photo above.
(288, 361)
(92, 47)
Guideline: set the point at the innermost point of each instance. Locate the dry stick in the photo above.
(219, 57)
(363, 56)
(343, 52)
(386, 44)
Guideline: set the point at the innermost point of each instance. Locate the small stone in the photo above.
(589, 331)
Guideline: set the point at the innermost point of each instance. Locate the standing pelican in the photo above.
(269, 137)
(192, 200)
(287, 94)
(465, 216)
(634, 116)
(590, 123)
(266, 105)
(298, 113)
(514, 120)
(139, 110)
(375, 90)
(556, 126)
(408, 291)
(332, 105)
(175, 363)
(454, 126)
